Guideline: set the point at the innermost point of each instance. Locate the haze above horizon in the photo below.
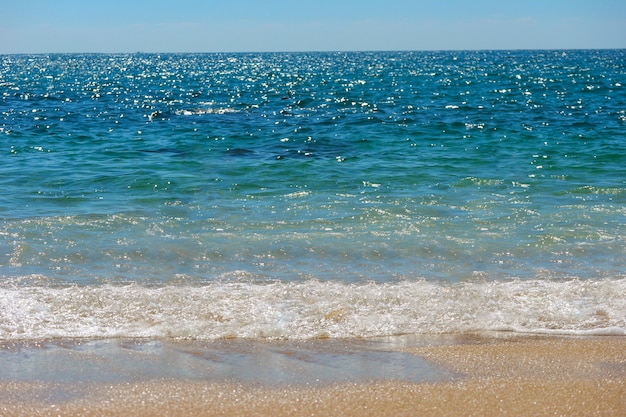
(39, 26)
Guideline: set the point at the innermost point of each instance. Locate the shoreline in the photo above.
(452, 375)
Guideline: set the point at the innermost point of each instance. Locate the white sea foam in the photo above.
(312, 309)
(219, 110)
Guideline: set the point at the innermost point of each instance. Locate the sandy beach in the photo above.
(460, 375)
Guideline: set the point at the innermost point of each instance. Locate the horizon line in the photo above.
(308, 51)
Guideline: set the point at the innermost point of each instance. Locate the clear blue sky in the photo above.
(36, 26)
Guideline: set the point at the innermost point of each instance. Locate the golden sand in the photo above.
(497, 377)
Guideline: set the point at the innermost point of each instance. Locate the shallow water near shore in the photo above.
(310, 362)
(466, 375)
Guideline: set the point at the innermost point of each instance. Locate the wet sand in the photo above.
(457, 375)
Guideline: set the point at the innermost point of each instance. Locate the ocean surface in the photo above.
(312, 195)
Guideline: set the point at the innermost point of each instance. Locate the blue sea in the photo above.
(312, 195)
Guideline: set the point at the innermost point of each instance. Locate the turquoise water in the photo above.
(305, 195)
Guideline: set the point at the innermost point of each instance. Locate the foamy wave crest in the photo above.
(220, 110)
(312, 309)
